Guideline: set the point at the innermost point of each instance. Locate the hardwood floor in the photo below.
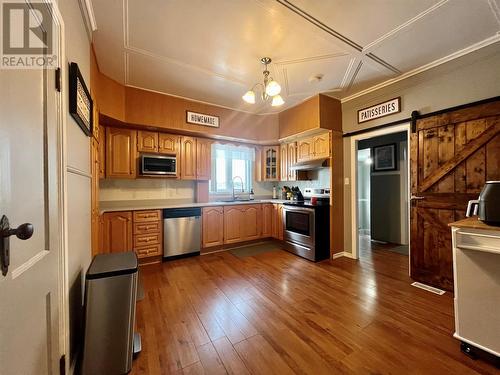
(276, 313)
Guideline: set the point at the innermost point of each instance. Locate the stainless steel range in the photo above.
(307, 225)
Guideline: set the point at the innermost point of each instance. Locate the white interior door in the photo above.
(30, 193)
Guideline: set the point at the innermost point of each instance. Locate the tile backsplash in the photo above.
(148, 188)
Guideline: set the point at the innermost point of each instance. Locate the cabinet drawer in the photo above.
(147, 227)
(479, 240)
(147, 251)
(147, 239)
(150, 215)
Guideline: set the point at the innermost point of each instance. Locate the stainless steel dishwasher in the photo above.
(181, 232)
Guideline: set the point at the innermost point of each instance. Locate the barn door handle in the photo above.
(416, 198)
(23, 232)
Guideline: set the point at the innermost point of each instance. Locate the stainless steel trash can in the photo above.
(110, 299)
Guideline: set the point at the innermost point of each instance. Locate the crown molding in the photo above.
(484, 43)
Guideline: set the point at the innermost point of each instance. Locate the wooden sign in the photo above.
(380, 110)
(201, 119)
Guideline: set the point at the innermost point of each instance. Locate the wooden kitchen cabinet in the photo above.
(251, 225)
(148, 233)
(94, 196)
(117, 232)
(212, 226)
(102, 152)
(277, 221)
(284, 162)
(121, 154)
(291, 160)
(305, 149)
(321, 146)
(203, 159)
(270, 164)
(267, 220)
(147, 141)
(168, 143)
(258, 164)
(233, 219)
(188, 158)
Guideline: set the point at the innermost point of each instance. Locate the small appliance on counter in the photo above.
(487, 207)
(307, 224)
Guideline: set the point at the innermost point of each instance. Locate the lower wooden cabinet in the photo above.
(277, 221)
(141, 231)
(117, 232)
(233, 218)
(251, 224)
(212, 226)
(267, 219)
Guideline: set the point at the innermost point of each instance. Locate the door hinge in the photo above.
(62, 365)
(58, 79)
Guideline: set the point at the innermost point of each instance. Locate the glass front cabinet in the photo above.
(271, 163)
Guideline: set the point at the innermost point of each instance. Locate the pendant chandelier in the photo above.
(270, 88)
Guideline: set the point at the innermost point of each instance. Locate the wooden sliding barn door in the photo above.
(452, 156)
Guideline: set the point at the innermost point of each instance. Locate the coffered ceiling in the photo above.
(209, 50)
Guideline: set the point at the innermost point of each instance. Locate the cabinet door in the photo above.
(168, 143)
(121, 146)
(267, 220)
(277, 222)
(233, 222)
(102, 151)
(147, 141)
(212, 226)
(321, 146)
(203, 159)
(305, 150)
(270, 163)
(117, 232)
(283, 162)
(292, 159)
(252, 222)
(188, 158)
(258, 164)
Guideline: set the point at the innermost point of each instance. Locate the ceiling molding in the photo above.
(355, 74)
(311, 58)
(343, 83)
(87, 11)
(495, 9)
(369, 47)
(484, 43)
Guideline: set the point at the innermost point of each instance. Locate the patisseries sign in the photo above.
(379, 110)
(202, 119)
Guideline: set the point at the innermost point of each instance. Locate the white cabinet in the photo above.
(476, 268)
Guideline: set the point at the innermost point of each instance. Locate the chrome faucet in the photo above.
(242, 189)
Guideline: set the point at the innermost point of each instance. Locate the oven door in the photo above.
(158, 165)
(299, 226)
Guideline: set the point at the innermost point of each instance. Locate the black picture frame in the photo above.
(384, 158)
(81, 106)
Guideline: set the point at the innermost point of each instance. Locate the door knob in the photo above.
(23, 232)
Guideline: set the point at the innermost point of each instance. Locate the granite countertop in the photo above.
(157, 204)
(473, 223)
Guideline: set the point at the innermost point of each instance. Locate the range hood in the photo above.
(310, 165)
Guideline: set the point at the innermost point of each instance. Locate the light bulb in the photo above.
(249, 97)
(273, 88)
(277, 101)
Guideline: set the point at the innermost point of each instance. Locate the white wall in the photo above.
(77, 46)
(468, 79)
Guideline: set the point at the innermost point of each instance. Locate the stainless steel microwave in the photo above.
(152, 165)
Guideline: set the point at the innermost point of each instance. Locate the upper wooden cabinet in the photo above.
(317, 147)
(292, 159)
(284, 162)
(270, 163)
(203, 159)
(321, 146)
(212, 226)
(258, 164)
(121, 155)
(102, 152)
(319, 112)
(117, 232)
(147, 141)
(168, 143)
(188, 158)
(305, 149)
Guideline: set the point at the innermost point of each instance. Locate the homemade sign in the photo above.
(201, 119)
(379, 110)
